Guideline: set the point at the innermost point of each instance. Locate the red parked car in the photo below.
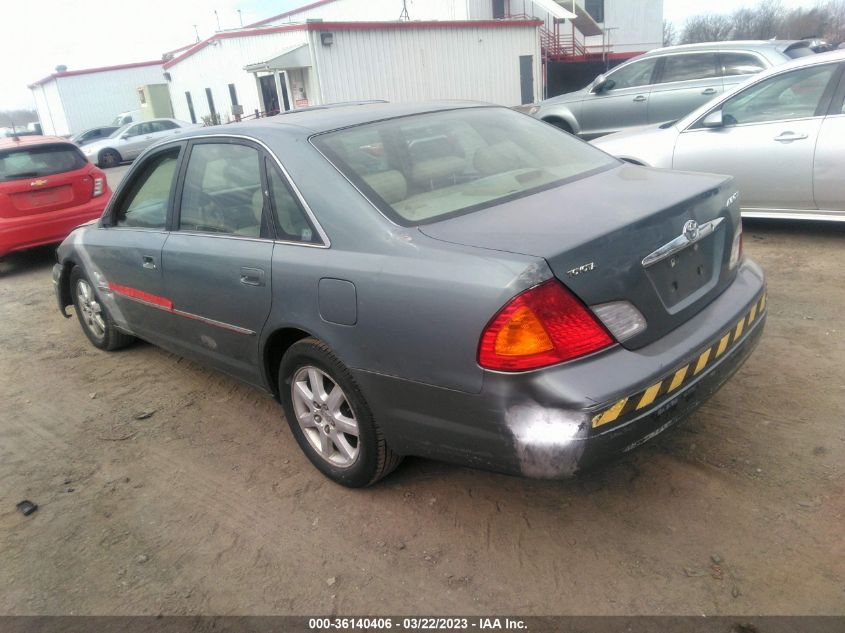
(47, 188)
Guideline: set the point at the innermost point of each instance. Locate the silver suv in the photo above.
(663, 85)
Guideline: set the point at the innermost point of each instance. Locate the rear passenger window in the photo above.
(292, 223)
(222, 192)
(145, 203)
(734, 64)
(688, 67)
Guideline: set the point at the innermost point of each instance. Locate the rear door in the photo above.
(39, 179)
(768, 141)
(684, 82)
(828, 179)
(623, 103)
(126, 251)
(217, 259)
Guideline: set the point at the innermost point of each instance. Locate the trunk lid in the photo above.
(595, 233)
(43, 178)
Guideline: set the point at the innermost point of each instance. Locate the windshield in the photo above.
(424, 168)
(41, 160)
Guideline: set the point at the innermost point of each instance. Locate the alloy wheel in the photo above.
(325, 416)
(92, 311)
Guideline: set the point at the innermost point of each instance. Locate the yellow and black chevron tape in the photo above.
(681, 375)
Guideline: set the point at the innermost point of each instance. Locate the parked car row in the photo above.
(781, 136)
(663, 85)
(128, 141)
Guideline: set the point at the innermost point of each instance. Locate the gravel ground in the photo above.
(165, 487)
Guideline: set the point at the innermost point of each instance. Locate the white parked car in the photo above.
(127, 142)
(781, 135)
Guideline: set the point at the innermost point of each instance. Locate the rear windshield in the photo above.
(424, 168)
(40, 160)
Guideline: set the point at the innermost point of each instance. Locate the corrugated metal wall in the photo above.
(95, 99)
(48, 104)
(479, 63)
(218, 65)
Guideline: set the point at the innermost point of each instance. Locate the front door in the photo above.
(126, 253)
(622, 103)
(776, 124)
(526, 78)
(217, 258)
(269, 94)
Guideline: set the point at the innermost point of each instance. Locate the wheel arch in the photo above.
(562, 118)
(64, 290)
(277, 343)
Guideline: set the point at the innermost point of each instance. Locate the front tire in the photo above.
(330, 418)
(108, 158)
(93, 317)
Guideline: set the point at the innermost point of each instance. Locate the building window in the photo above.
(596, 9)
(498, 9)
(210, 100)
(191, 107)
(233, 94)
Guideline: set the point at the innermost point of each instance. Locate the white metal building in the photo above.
(71, 101)
(283, 66)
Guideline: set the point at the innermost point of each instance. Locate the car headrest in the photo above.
(390, 185)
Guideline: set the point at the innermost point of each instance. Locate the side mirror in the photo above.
(126, 136)
(713, 120)
(600, 84)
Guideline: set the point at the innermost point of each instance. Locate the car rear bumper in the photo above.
(17, 234)
(558, 421)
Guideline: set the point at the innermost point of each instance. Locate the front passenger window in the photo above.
(145, 203)
(791, 95)
(633, 75)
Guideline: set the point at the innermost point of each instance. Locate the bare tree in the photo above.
(8, 118)
(670, 35)
(706, 28)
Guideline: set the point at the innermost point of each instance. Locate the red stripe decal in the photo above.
(134, 293)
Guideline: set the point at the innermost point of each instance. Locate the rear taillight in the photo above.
(736, 247)
(542, 326)
(99, 187)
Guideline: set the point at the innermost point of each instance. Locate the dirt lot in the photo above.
(208, 506)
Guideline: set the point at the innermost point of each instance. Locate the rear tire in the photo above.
(108, 158)
(93, 317)
(330, 418)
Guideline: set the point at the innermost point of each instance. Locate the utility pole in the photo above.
(196, 32)
(240, 18)
(217, 17)
(404, 17)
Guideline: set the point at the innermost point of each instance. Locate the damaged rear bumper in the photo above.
(555, 422)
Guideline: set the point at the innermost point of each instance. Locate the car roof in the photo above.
(23, 141)
(779, 45)
(324, 119)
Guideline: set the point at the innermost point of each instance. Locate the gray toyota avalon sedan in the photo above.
(455, 281)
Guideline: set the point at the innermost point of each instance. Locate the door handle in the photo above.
(639, 99)
(252, 276)
(786, 137)
(709, 91)
(148, 262)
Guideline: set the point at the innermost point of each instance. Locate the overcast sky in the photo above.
(37, 35)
